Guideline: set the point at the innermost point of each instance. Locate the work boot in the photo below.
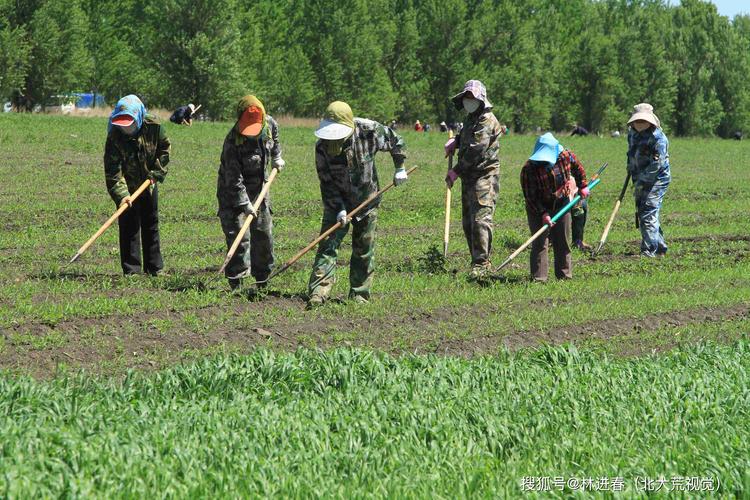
(315, 301)
(358, 299)
(582, 246)
(480, 272)
(235, 283)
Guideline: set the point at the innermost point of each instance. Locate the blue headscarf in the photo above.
(546, 149)
(129, 105)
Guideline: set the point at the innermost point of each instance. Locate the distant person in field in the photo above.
(345, 162)
(648, 164)
(250, 147)
(137, 149)
(551, 177)
(443, 127)
(427, 127)
(579, 130)
(418, 126)
(738, 136)
(393, 125)
(478, 167)
(615, 134)
(183, 115)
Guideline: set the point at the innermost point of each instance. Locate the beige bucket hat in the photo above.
(644, 111)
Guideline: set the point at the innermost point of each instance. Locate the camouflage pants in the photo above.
(255, 253)
(361, 266)
(579, 214)
(478, 200)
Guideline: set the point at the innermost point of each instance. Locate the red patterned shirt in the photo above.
(546, 189)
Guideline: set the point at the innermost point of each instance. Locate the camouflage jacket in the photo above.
(350, 178)
(648, 156)
(130, 160)
(244, 166)
(478, 146)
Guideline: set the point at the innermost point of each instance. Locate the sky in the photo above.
(731, 8)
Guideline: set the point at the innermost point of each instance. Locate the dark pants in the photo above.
(139, 225)
(559, 235)
(579, 214)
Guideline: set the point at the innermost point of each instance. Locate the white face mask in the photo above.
(130, 129)
(471, 104)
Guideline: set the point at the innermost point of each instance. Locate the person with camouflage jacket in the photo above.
(479, 169)
(648, 165)
(345, 162)
(137, 149)
(249, 147)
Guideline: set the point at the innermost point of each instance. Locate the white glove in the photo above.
(249, 209)
(399, 177)
(342, 218)
(278, 163)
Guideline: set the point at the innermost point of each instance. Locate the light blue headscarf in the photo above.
(546, 149)
(129, 105)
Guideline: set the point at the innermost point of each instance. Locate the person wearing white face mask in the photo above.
(479, 169)
(137, 149)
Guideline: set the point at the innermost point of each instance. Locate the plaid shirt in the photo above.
(545, 189)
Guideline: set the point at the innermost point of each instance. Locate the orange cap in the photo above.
(251, 121)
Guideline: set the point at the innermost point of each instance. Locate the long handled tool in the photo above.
(113, 218)
(612, 217)
(329, 231)
(446, 232)
(249, 220)
(594, 181)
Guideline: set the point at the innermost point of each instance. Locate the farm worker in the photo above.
(551, 177)
(345, 162)
(479, 169)
(249, 147)
(137, 149)
(648, 164)
(183, 115)
(417, 126)
(579, 130)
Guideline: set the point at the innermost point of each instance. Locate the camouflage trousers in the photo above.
(579, 213)
(478, 200)
(255, 253)
(361, 265)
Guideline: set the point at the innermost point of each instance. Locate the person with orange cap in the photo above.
(249, 148)
(345, 162)
(137, 149)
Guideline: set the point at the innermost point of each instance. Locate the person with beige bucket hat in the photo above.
(648, 165)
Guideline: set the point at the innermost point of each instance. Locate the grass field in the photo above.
(305, 422)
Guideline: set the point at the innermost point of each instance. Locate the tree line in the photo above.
(546, 63)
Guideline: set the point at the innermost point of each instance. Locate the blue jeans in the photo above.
(648, 200)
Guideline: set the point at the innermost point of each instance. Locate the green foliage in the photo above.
(352, 423)
(546, 63)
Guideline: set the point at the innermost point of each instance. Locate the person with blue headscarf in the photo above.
(551, 177)
(137, 149)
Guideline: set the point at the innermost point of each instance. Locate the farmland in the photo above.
(436, 387)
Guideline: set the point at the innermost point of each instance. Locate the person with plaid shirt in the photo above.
(550, 178)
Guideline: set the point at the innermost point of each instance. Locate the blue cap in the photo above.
(546, 149)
